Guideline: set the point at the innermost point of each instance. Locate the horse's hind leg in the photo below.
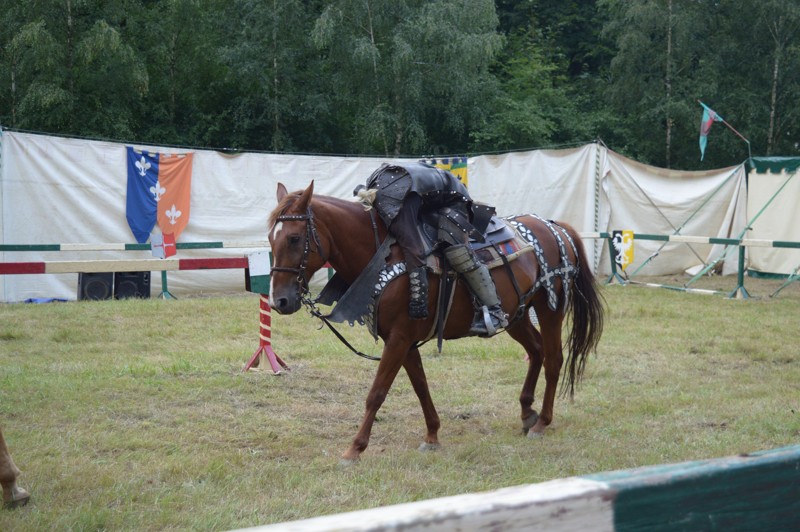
(550, 323)
(416, 373)
(13, 495)
(526, 334)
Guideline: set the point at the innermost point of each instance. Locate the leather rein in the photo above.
(302, 281)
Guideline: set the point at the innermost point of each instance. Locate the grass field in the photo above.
(136, 414)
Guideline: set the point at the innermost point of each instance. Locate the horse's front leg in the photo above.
(13, 495)
(416, 373)
(392, 358)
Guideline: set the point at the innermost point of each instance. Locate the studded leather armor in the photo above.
(436, 187)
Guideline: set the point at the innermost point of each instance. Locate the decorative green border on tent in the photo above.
(775, 165)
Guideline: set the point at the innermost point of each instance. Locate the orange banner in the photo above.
(175, 177)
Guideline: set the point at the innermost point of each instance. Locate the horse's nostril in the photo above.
(283, 302)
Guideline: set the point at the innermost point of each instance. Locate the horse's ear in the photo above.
(281, 192)
(305, 198)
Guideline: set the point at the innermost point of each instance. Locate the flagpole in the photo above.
(740, 136)
(749, 154)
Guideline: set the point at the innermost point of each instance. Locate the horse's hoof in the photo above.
(533, 435)
(348, 462)
(425, 447)
(529, 422)
(19, 497)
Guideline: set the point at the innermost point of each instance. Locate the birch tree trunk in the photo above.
(668, 85)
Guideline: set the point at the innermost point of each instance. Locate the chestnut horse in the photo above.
(308, 231)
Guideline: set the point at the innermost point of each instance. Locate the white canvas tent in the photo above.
(56, 190)
(657, 201)
(772, 207)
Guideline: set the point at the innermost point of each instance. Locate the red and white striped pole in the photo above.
(264, 351)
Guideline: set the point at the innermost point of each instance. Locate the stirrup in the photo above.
(488, 321)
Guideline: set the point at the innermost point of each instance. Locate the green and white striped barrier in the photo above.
(759, 491)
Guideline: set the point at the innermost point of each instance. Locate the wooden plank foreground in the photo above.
(758, 491)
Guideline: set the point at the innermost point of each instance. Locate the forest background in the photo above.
(408, 77)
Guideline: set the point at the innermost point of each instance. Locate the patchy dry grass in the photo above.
(136, 415)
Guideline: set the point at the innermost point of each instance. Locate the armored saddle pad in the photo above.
(497, 231)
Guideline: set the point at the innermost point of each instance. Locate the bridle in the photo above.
(311, 234)
(305, 294)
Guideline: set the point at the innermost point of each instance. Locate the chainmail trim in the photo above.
(565, 270)
(389, 273)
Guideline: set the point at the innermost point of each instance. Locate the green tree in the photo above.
(34, 98)
(654, 75)
(408, 76)
(532, 108)
(759, 73)
(550, 71)
(190, 92)
(747, 68)
(275, 70)
(69, 71)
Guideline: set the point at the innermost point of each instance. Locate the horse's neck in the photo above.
(351, 234)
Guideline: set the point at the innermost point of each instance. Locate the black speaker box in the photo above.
(95, 286)
(131, 284)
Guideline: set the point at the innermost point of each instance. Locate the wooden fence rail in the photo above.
(759, 491)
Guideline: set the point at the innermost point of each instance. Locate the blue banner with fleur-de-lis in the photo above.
(159, 188)
(142, 201)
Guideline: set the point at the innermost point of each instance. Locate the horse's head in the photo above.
(296, 249)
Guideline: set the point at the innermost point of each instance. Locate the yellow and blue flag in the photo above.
(455, 165)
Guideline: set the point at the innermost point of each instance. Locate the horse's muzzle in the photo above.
(285, 303)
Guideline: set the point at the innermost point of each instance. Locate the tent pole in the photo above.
(789, 280)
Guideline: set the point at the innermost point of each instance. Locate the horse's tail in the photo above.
(587, 306)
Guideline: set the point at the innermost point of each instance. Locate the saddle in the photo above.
(497, 244)
(496, 237)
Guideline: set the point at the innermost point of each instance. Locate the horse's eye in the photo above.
(294, 239)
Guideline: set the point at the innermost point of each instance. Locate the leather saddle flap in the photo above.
(497, 231)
